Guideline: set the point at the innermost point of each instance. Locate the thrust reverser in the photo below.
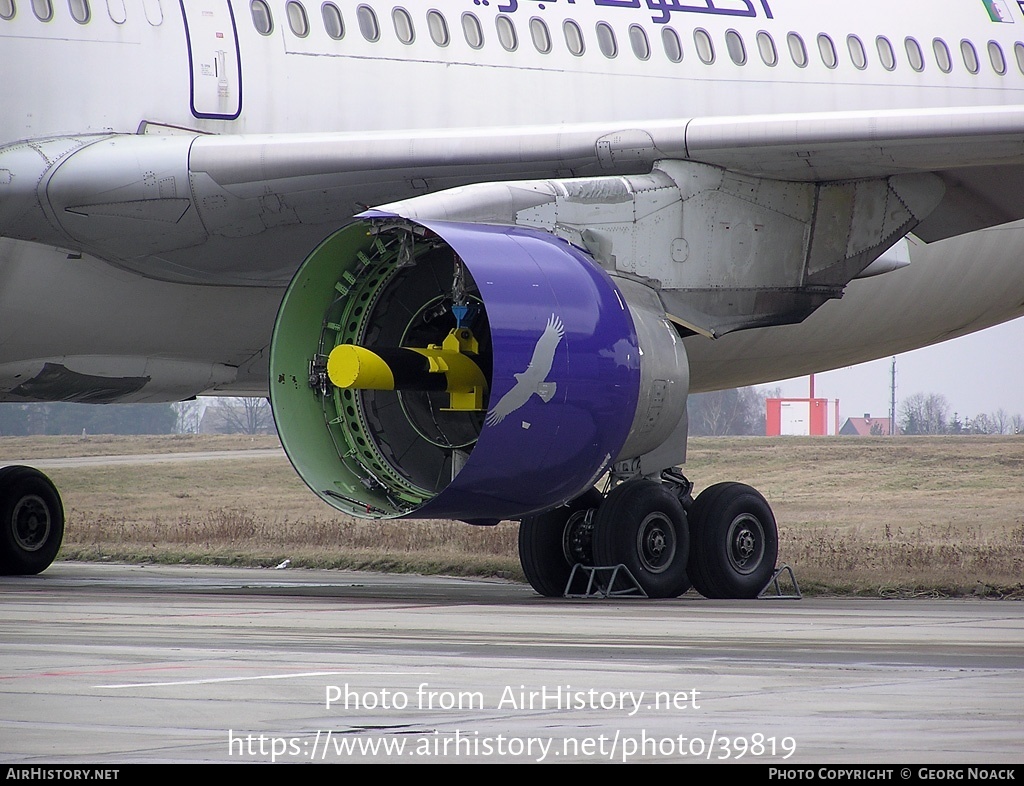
(443, 370)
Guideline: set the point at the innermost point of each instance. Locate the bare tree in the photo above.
(924, 414)
(187, 416)
(733, 411)
(981, 424)
(250, 415)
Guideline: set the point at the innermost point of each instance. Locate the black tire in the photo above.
(31, 521)
(642, 525)
(734, 542)
(551, 543)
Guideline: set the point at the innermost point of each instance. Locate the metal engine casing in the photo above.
(615, 389)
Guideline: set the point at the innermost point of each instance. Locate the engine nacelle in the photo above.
(578, 371)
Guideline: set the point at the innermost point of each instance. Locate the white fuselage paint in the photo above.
(130, 71)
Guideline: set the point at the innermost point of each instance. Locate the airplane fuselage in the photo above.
(208, 69)
(155, 68)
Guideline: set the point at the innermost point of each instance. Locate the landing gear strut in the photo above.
(31, 521)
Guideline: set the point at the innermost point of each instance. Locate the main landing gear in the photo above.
(725, 542)
(31, 521)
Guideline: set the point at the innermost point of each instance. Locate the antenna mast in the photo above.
(892, 400)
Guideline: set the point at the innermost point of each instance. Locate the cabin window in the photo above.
(606, 40)
(7, 9)
(333, 23)
(995, 56)
(573, 37)
(261, 18)
(80, 11)
(639, 42)
(827, 50)
(115, 9)
(154, 13)
(472, 30)
(403, 25)
(43, 9)
(366, 18)
(970, 56)
(942, 57)
(1018, 53)
(766, 48)
(737, 51)
(438, 28)
(797, 50)
(506, 33)
(541, 35)
(297, 19)
(705, 48)
(673, 46)
(914, 54)
(886, 54)
(858, 55)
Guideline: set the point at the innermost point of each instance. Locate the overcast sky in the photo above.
(977, 373)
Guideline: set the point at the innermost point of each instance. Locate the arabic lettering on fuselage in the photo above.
(663, 9)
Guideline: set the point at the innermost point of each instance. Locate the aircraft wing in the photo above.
(245, 209)
(974, 151)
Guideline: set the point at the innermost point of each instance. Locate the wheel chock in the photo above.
(773, 591)
(606, 581)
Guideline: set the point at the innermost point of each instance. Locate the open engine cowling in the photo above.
(566, 357)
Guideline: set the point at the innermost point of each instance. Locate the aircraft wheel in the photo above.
(551, 543)
(642, 525)
(734, 542)
(31, 521)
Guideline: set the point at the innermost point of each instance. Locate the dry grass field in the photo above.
(904, 516)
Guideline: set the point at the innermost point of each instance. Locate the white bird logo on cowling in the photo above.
(532, 380)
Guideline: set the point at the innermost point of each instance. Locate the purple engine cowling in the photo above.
(566, 358)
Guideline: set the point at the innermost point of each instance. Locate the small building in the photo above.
(806, 417)
(866, 426)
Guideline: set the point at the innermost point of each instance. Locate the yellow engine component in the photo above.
(359, 368)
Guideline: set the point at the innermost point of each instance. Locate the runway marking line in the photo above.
(214, 680)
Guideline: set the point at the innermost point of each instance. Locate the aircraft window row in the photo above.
(402, 20)
(437, 27)
(81, 11)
